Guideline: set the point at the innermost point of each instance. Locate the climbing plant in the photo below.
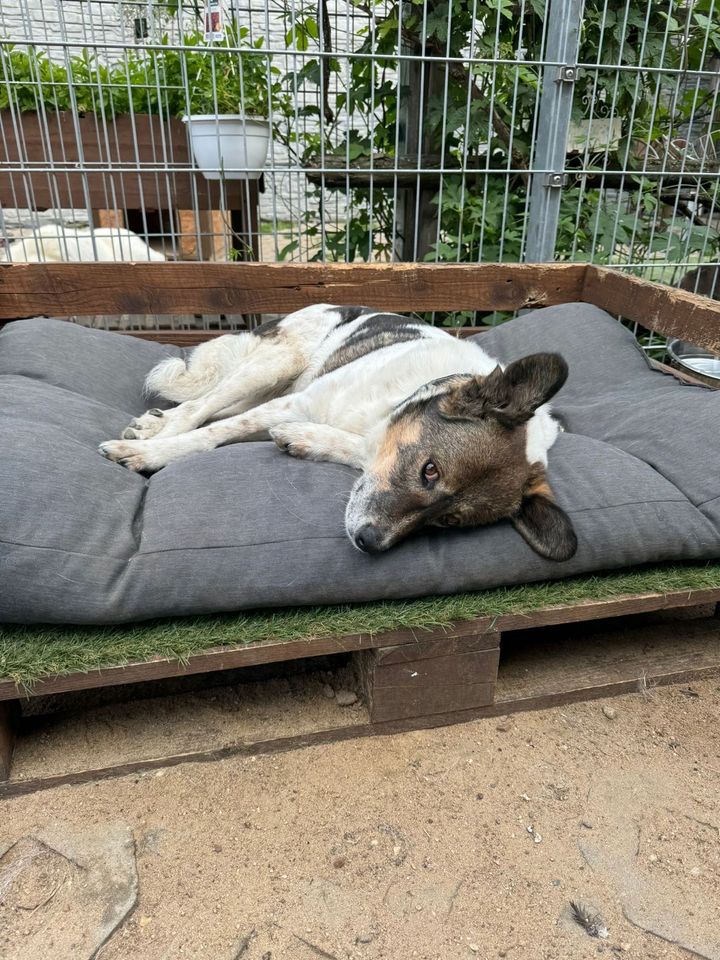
(479, 116)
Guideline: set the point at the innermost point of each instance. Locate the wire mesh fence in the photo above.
(433, 130)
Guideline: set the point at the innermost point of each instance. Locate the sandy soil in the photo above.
(463, 842)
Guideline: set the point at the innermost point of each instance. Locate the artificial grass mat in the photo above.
(29, 653)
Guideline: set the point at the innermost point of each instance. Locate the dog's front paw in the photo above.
(145, 426)
(291, 439)
(131, 454)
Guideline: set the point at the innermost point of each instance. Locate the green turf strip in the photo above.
(28, 653)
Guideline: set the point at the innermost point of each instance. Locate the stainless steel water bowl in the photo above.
(698, 362)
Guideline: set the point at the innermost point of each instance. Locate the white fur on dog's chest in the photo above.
(542, 431)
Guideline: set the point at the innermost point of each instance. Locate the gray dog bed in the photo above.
(82, 540)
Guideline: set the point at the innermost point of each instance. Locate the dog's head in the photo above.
(457, 453)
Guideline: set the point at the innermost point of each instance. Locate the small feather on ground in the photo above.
(592, 923)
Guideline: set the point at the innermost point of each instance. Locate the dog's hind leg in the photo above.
(264, 369)
(177, 379)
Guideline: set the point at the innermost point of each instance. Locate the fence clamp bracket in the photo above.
(568, 73)
(556, 180)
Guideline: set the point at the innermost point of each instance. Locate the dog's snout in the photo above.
(368, 539)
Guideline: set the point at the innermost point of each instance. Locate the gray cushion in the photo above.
(83, 540)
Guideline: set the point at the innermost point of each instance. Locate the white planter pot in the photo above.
(230, 145)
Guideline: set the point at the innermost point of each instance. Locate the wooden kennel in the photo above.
(409, 679)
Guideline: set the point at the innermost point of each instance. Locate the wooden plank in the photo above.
(362, 728)
(558, 667)
(461, 666)
(606, 609)
(8, 717)
(675, 313)
(108, 218)
(67, 289)
(438, 646)
(15, 788)
(402, 703)
(459, 676)
(226, 658)
(203, 236)
(652, 676)
(125, 168)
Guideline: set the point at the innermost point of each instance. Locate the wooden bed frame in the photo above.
(409, 679)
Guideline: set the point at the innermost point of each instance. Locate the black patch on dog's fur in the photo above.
(348, 314)
(378, 331)
(268, 329)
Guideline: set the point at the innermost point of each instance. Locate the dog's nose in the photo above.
(367, 539)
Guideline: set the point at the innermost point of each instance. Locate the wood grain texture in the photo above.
(674, 313)
(438, 684)
(604, 609)
(112, 163)
(438, 646)
(67, 289)
(455, 667)
(226, 658)
(443, 696)
(8, 718)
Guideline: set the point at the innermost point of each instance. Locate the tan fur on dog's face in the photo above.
(457, 456)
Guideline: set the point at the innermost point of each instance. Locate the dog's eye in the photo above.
(430, 474)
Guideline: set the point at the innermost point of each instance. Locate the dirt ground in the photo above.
(467, 841)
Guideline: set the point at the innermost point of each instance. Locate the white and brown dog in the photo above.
(444, 436)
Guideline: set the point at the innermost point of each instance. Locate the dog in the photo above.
(53, 243)
(443, 434)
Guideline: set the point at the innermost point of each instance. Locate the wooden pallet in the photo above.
(408, 679)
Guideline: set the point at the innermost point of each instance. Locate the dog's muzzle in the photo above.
(368, 539)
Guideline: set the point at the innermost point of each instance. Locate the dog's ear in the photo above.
(541, 522)
(511, 396)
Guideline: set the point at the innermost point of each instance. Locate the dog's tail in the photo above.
(177, 381)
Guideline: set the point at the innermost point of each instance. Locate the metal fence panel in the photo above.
(397, 130)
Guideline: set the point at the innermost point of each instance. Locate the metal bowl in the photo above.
(700, 363)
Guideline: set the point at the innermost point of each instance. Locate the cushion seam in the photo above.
(633, 503)
(72, 553)
(263, 543)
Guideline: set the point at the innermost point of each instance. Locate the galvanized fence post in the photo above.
(553, 124)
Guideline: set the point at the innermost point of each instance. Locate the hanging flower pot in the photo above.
(232, 87)
(230, 146)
